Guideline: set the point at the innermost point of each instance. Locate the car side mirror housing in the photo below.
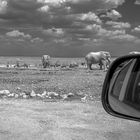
(121, 88)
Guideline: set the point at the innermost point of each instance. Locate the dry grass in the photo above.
(62, 81)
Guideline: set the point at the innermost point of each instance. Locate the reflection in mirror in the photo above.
(124, 89)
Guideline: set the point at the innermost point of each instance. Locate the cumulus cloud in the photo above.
(59, 40)
(54, 32)
(137, 2)
(112, 14)
(126, 37)
(59, 19)
(16, 33)
(108, 33)
(136, 29)
(93, 27)
(21, 36)
(89, 17)
(37, 39)
(79, 6)
(51, 1)
(55, 12)
(44, 8)
(105, 2)
(3, 6)
(118, 34)
(119, 25)
(84, 39)
(116, 2)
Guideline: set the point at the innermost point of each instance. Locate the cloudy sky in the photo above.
(68, 28)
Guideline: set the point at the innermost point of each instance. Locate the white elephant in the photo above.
(45, 61)
(102, 58)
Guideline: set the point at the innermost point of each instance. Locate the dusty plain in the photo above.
(58, 119)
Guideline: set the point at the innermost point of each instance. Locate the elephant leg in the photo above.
(103, 62)
(47, 63)
(89, 66)
(100, 64)
(44, 65)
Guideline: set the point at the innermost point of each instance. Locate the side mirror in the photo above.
(121, 88)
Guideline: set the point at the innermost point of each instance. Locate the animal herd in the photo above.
(101, 58)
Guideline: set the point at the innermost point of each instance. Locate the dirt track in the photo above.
(37, 120)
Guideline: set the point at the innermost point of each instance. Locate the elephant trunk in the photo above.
(109, 60)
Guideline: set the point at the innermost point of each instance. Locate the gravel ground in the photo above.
(76, 81)
(38, 120)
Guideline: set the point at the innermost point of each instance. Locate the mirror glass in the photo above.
(124, 89)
